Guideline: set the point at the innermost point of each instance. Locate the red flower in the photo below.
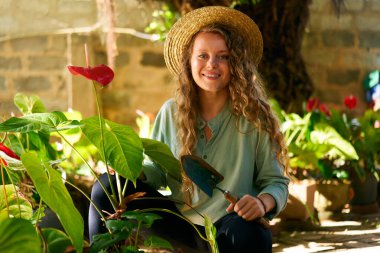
(350, 102)
(323, 108)
(312, 104)
(8, 152)
(101, 74)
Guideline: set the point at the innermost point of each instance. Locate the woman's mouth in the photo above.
(211, 76)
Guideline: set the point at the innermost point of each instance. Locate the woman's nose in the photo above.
(212, 62)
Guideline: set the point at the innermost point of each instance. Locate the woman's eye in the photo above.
(224, 57)
(202, 56)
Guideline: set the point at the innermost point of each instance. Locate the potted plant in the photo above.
(318, 153)
(364, 134)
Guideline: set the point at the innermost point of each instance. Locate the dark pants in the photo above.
(234, 234)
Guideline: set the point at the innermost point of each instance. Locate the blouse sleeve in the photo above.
(270, 177)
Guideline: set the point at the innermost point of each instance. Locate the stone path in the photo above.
(349, 234)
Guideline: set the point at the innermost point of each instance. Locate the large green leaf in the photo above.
(46, 122)
(56, 240)
(28, 104)
(18, 235)
(53, 192)
(15, 205)
(123, 147)
(161, 154)
(325, 134)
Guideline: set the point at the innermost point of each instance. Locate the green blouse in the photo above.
(236, 149)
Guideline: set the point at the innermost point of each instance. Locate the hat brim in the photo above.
(184, 29)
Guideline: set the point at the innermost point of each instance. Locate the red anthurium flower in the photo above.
(101, 73)
(312, 104)
(8, 152)
(323, 108)
(350, 101)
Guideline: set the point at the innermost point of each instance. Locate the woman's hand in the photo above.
(248, 207)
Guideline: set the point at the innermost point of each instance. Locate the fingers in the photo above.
(248, 207)
(230, 208)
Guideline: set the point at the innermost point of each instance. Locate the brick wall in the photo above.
(34, 54)
(339, 52)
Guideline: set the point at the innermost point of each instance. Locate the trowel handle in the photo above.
(231, 198)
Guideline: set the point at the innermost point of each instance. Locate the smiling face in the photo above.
(209, 63)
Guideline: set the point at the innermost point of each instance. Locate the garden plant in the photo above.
(36, 148)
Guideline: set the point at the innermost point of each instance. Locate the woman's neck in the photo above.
(211, 104)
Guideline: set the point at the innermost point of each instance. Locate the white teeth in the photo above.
(211, 76)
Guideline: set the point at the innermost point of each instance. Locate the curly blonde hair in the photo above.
(247, 94)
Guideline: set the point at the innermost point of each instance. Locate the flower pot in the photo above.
(365, 196)
(330, 197)
(300, 204)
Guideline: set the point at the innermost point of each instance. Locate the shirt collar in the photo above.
(217, 121)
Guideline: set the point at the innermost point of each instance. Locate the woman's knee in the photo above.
(238, 235)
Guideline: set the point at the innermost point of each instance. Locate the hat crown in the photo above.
(185, 28)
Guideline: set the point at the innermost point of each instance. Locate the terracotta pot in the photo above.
(301, 201)
(331, 196)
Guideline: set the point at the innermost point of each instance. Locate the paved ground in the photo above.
(346, 233)
(351, 233)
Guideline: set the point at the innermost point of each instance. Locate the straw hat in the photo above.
(185, 28)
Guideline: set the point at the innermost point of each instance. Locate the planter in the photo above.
(330, 197)
(300, 204)
(365, 196)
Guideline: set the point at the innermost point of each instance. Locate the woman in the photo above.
(221, 114)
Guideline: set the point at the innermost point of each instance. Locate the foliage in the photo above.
(327, 143)
(163, 20)
(165, 17)
(34, 146)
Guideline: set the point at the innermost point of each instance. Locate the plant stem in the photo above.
(178, 215)
(44, 244)
(112, 200)
(3, 179)
(125, 187)
(38, 213)
(102, 139)
(137, 233)
(14, 187)
(118, 185)
(87, 197)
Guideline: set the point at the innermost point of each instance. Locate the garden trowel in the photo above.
(204, 176)
(207, 178)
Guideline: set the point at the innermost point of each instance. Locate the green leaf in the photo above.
(18, 235)
(28, 104)
(123, 147)
(19, 206)
(120, 225)
(53, 192)
(130, 249)
(211, 234)
(56, 240)
(157, 242)
(146, 218)
(161, 154)
(47, 122)
(40, 142)
(325, 134)
(103, 241)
